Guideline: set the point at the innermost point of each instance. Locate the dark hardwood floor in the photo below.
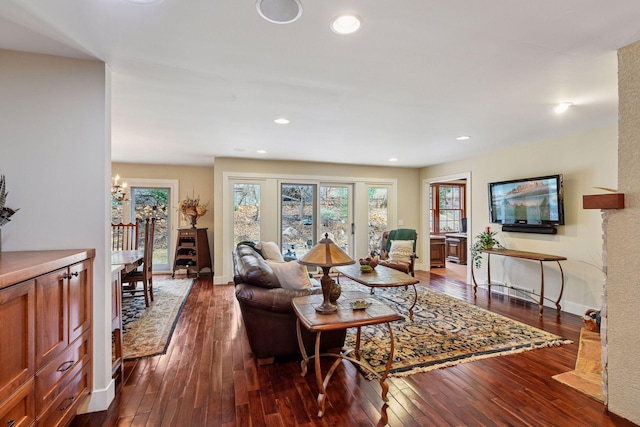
(209, 378)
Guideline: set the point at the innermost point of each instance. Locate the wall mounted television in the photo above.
(528, 205)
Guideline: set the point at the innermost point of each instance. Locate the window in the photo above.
(298, 218)
(246, 213)
(335, 215)
(378, 214)
(153, 203)
(446, 207)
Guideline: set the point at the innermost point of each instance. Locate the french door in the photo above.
(309, 211)
(152, 198)
(246, 212)
(153, 202)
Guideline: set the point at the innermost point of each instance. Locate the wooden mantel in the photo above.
(603, 201)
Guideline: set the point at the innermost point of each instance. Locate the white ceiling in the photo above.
(197, 79)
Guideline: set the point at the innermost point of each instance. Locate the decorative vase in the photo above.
(193, 219)
(335, 291)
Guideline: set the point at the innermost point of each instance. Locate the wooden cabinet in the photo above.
(437, 251)
(192, 251)
(456, 247)
(45, 313)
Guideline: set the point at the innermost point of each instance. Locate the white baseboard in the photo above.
(99, 400)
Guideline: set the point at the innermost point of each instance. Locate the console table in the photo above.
(533, 256)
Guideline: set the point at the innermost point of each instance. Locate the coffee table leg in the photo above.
(303, 351)
(383, 378)
(415, 300)
(357, 351)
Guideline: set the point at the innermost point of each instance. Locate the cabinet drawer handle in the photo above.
(66, 365)
(70, 400)
(10, 423)
(69, 276)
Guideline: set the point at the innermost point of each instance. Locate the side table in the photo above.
(345, 317)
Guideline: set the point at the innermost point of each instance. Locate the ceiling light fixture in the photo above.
(345, 24)
(562, 107)
(463, 137)
(282, 121)
(393, 159)
(279, 11)
(262, 151)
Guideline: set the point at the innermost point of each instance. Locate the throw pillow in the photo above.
(400, 250)
(291, 275)
(270, 251)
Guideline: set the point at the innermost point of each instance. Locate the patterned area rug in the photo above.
(445, 332)
(147, 330)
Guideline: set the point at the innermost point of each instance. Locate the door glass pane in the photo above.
(378, 215)
(298, 219)
(246, 213)
(334, 215)
(153, 203)
(117, 211)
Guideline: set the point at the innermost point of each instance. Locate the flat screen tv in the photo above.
(528, 202)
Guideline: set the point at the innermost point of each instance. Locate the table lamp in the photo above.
(326, 254)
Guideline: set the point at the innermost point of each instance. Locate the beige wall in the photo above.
(408, 207)
(623, 251)
(586, 160)
(193, 180)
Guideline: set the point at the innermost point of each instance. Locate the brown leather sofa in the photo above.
(267, 313)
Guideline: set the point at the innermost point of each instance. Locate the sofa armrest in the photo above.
(274, 299)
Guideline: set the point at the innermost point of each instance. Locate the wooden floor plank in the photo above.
(209, 377)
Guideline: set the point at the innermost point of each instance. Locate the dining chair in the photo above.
(124, 237)
(143, 274)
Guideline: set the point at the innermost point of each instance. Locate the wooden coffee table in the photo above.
(345, 317)
(381, 277)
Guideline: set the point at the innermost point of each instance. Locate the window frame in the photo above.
(434, 209)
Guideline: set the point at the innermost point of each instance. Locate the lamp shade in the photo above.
(326, 254)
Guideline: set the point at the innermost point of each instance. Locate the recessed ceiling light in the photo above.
(279, 11)
(142, 2)
(262, 151)
(463, 137)
(562, 107)
(282, 121)
(393, 159)
(345, 24)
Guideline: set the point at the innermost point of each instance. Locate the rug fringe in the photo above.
(451, 363)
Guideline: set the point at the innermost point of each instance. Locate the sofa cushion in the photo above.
(252, 269)
(270, 251)
(291, 275)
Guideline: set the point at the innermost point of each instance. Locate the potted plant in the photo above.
(484, 240)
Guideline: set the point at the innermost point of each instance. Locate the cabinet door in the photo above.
(79, 294)
(51, 316)
(17, 326)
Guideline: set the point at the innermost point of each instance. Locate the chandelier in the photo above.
(118, 191)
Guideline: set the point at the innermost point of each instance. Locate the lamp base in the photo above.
(326, 308)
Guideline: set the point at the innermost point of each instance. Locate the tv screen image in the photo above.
(529, 201)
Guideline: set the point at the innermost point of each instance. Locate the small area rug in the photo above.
(587, 377)
(445, 332)
(147, 330)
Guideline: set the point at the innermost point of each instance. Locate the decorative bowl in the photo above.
(360, 304)
(366, 268)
